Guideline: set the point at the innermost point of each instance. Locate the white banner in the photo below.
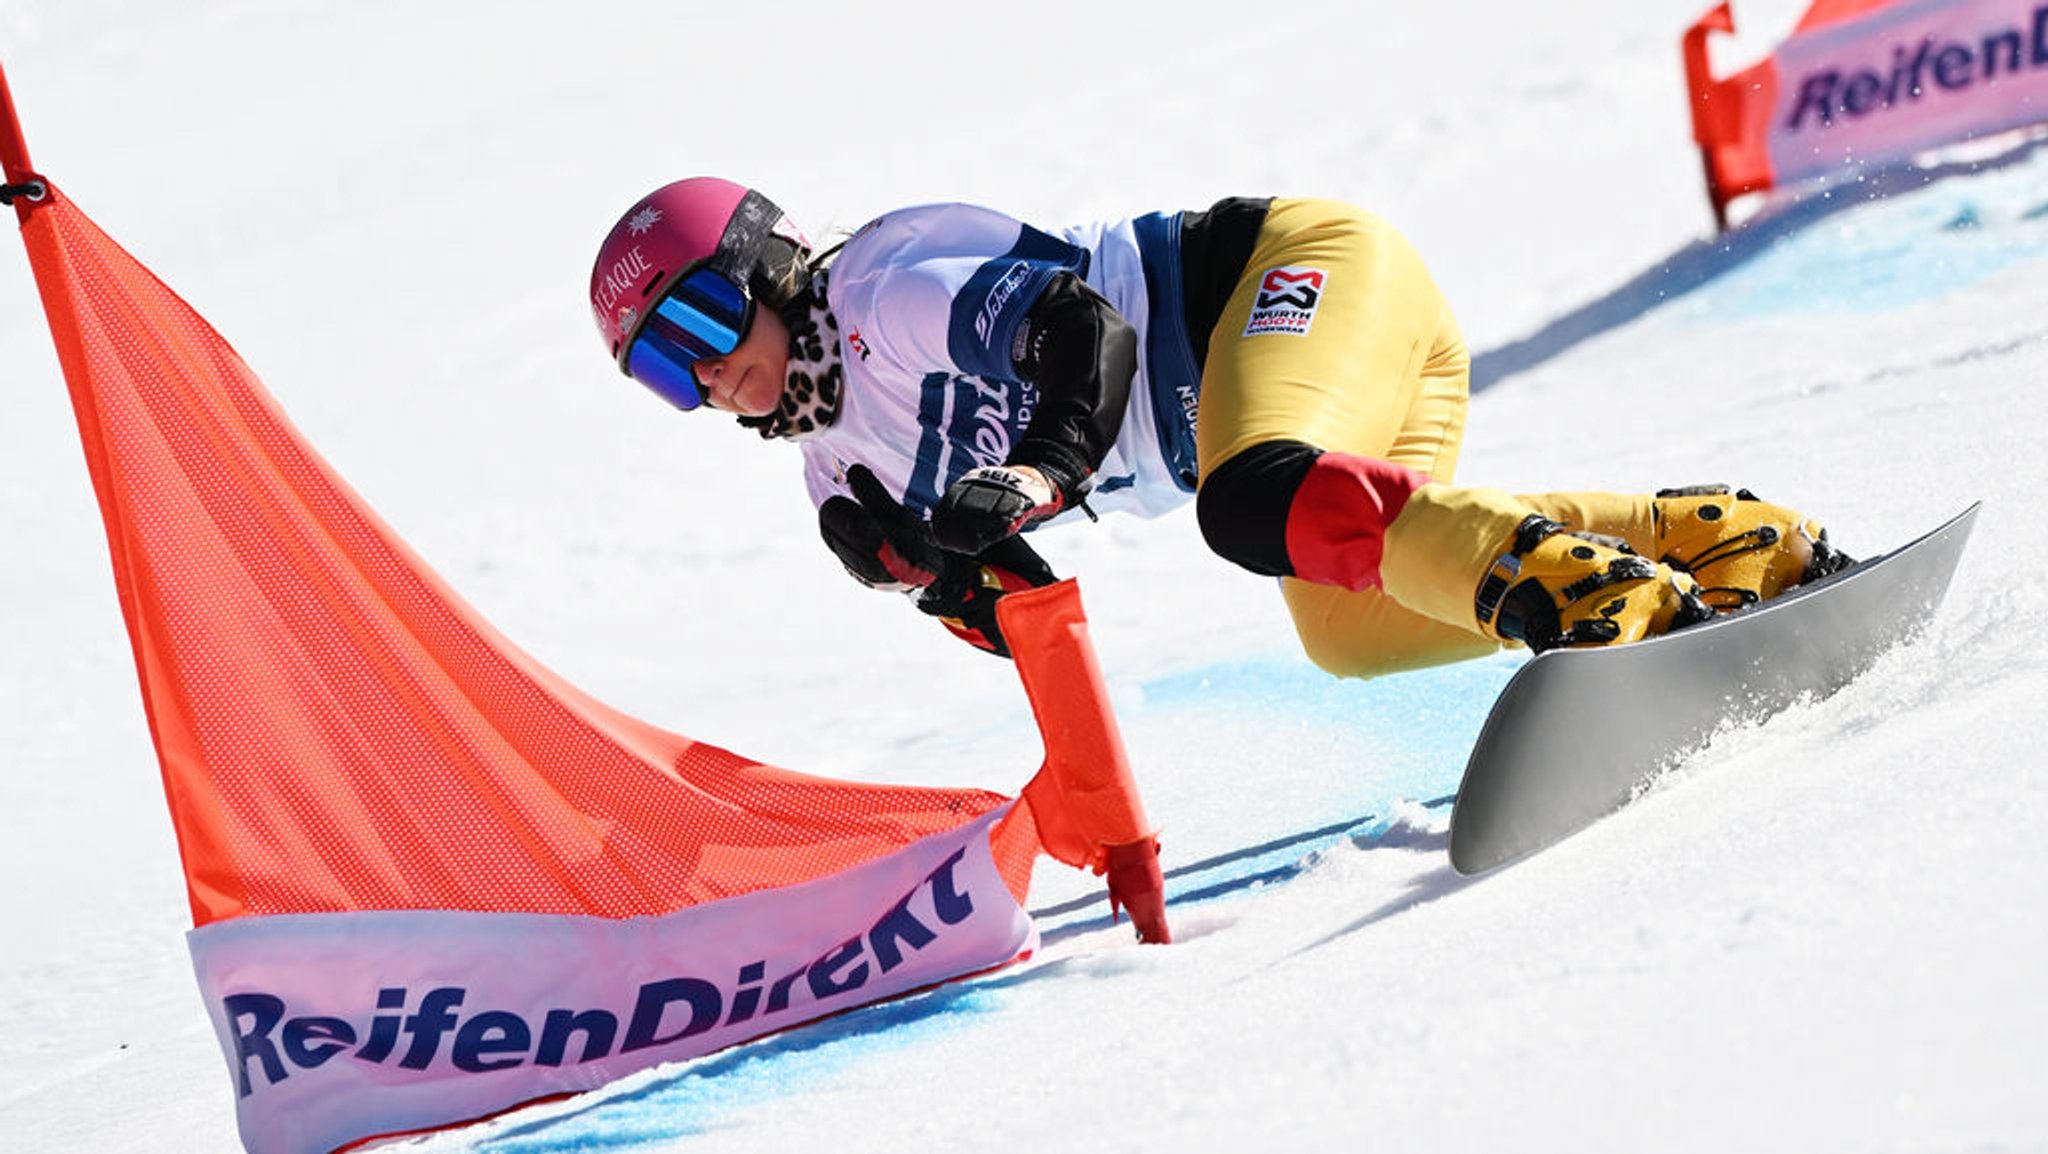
(342, 1026)
(1903, 80)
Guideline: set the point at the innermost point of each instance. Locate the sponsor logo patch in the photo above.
(1287, 301)
(998, 298)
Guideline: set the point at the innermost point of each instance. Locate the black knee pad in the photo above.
(1242, 506)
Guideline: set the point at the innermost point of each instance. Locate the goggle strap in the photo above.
(753, 222)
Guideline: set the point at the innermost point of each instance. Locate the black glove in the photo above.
(886, 546)
(883, 544)
(965, 595)
(991, 504)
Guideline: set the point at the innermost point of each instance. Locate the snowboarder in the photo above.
(956, 377)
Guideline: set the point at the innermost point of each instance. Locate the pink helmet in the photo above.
(679, 227)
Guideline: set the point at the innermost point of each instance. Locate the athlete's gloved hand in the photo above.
(992, 503)
(965, 595)
(881, 543)
(886, 546)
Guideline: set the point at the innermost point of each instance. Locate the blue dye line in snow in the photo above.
(1423, 722)
(694, 1099)
(1885, 240)
(1915, 246)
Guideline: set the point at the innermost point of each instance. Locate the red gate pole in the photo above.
(1084, 799)
(14, 157)
(1713, 108)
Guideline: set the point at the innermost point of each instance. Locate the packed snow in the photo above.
(1825, 934)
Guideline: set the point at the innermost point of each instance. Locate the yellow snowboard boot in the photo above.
(1480, 558)
(1554, 588)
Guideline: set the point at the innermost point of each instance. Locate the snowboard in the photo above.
(1577, 732)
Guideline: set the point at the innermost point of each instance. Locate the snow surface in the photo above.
(1829, 934)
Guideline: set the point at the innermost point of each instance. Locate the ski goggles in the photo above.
(704, 315)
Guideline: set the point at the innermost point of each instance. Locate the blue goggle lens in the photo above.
(704, 315)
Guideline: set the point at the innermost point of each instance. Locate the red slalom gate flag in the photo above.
(429, 879)
(1864, 83)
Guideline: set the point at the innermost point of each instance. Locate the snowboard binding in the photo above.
(1741, 549)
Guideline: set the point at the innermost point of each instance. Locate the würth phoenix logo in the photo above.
(1287, 301)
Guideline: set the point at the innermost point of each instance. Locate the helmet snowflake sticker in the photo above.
(641, 221)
